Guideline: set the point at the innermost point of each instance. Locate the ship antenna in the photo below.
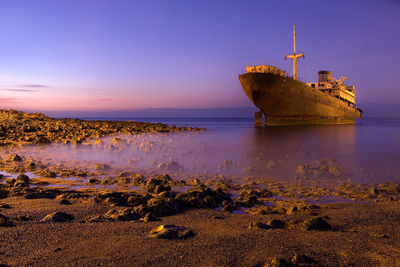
(295, 56)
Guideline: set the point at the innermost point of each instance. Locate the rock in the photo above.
(173, 166)
(123, 175)
(122, 215)
(163, 176)
(97, 218)
(203, 197)
(15, 158)
(41, 140)
(171, 232)
(138, 179)
(167, 194)
(257, 225)
(5, 221)
(279, 262)
(64, 201)
(102, 167)
(317, 223)
(378, 235)
(249, 197)
(23, 218)
(157, 186)
(10, 182)
(58, 217)
(196, 182)
(291, 210)
(163, 207)
(3, 194)
(46, 173)
(93, 181)
(320, 168)
(229, 208)
(24, 178)
(300, 260)
(275, 224)
(149, 217)
(30, 166)
(389, 188)
(136, 200)
(114, 198)
(37, 195)
(141, 210)
(19, 183)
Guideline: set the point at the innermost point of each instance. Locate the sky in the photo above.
(111, 55)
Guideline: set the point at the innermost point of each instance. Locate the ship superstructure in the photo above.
(284, 100)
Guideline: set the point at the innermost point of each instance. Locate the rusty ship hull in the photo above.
(285, 101)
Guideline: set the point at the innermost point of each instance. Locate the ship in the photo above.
(283, 100)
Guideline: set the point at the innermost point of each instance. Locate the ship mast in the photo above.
(295, 56)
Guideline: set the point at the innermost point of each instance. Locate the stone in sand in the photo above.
(58, 216)
(3, 194)
(317, 223)
(37, 195)
(149, 217)
(5, 221)
(279, 262)
(15, 158)
(122, 215)
(302, 260)
(258, 225)
(64, 201)
(171, 232)
(276, 224)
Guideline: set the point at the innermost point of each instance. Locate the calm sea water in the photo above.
(367, 151)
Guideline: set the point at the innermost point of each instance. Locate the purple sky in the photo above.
(120, 55)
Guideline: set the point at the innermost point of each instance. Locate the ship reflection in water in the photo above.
(365, 152)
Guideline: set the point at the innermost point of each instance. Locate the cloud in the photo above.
(8, 100)
(106, 99)
(33, 85)
(20, 90)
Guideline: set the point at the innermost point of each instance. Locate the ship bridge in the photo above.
(335, 87)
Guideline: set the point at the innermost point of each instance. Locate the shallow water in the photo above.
(368, 151)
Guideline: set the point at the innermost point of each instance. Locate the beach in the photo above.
(148, 194)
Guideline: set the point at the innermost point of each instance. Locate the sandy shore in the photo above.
(57, 208)
(361, 235)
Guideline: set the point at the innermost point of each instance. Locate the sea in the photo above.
(367, 151)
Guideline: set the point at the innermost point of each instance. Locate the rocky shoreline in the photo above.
(194, 214)
(82, 213)
(20, 128)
